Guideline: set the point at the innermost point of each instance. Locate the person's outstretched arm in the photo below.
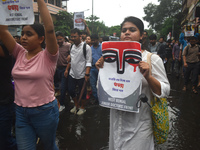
(7, 38)
(50, 37)
(86, 26)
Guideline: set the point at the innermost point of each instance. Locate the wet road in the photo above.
(90, 131)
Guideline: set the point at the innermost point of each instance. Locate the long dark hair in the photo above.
(135, 21)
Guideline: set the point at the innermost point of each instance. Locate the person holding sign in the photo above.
(37, 112)
(133, 130)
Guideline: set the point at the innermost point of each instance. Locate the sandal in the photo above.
(194, 90)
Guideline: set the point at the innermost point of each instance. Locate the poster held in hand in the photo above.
(16, 12)
(78, 20)
(119, 84)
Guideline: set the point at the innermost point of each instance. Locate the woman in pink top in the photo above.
(37, 112)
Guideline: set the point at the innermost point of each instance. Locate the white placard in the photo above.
(78, 20)
(120, 79)
(16, 12)
(189, 31)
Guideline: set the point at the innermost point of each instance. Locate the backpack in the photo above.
(187, 48)
(84, 49)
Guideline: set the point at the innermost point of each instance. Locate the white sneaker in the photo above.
(57, 94)
(73, 110)
(81, 111)
(61, 108)
(71, 100)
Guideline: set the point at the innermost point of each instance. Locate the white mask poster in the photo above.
(16, 12)
(120, 80)
(78, 20)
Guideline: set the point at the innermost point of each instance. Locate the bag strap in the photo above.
(70, 48)
(149, 61)
(84, 50)
(143, 97)
(187, 48)
(150, 70)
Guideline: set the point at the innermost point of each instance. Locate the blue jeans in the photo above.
(7, 142)
(93, 81)
(34, 122)
(60, 78)
(72, 83)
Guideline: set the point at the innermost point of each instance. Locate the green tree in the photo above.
(150, 31)
(115, 29)
(64, 22)
(95, 26)
(163, 17)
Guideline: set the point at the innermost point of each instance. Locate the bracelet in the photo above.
(87, 75)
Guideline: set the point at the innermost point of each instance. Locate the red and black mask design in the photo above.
(122, 54)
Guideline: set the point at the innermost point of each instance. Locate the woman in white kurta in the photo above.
(133, 131)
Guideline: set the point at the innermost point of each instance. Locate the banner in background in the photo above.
(189, 30)
(78, 20)
(16, 12)
(119, 84)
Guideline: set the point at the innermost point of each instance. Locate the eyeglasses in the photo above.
(59, 39)
(131, 29)
(71, 37)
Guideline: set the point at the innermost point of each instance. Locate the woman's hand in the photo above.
(99, 63)
(144, 69)
(154, 84)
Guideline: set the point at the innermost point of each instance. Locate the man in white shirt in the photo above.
(79, 71)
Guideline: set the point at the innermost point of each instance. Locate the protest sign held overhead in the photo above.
(119, 84)
(189, 30)
(78, 20)
(16, 12)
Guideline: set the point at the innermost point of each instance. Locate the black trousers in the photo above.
(194, 68)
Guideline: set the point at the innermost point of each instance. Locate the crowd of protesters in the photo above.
(64, 70)
(180, 57)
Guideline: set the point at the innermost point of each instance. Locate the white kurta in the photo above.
(133, 131)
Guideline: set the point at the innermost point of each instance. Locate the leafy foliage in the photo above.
(115, 29)
(150, 31)
(96, 26)
(64, 22)
(99, 27)
(163, 17)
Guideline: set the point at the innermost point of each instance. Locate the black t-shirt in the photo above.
(161, 51)
(6, 86)
(168, 51)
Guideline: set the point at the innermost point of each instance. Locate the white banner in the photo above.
(189, 30)
(16, 12)
(78, 20)
(119, 84)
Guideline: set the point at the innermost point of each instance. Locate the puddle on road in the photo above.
(91, 130)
